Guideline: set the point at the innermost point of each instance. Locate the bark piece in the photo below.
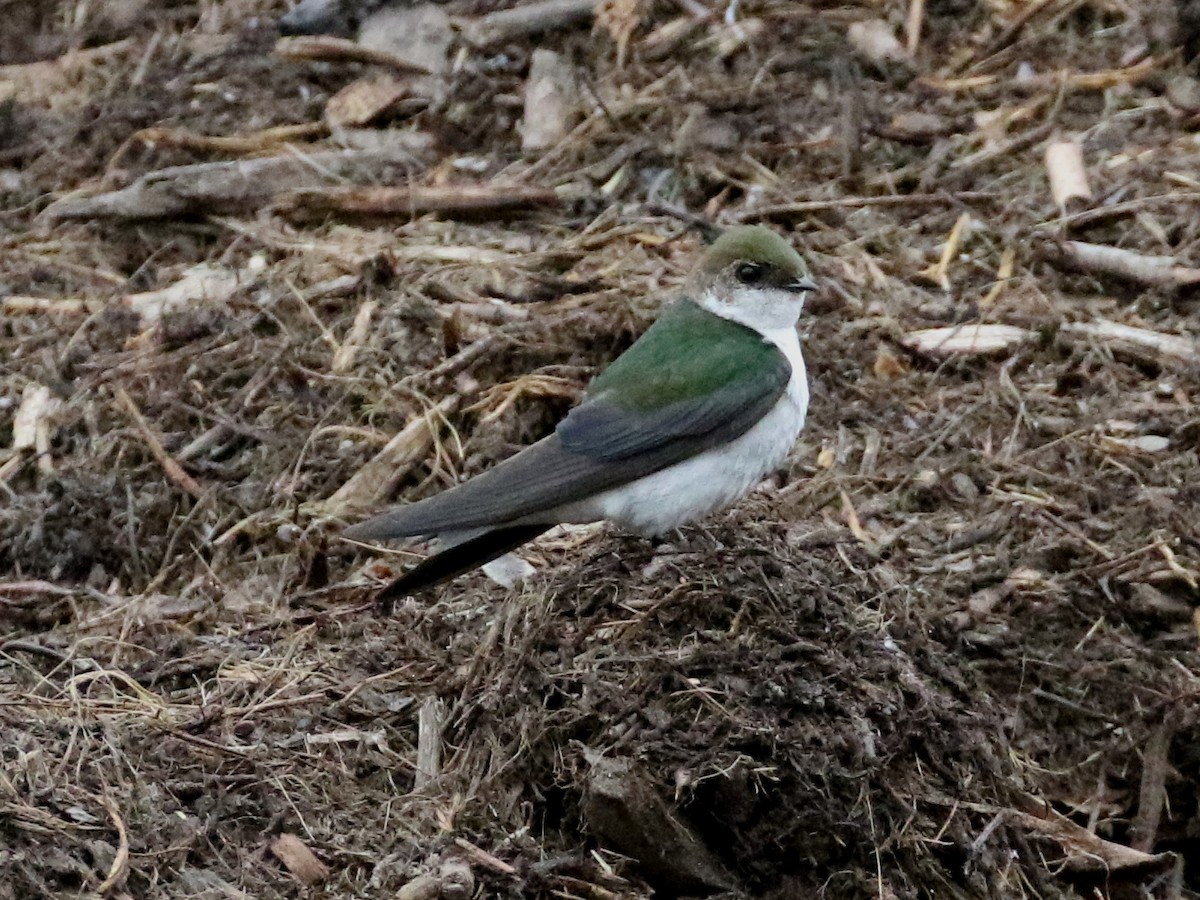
(623, 809)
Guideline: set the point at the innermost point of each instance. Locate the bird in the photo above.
(695, 413)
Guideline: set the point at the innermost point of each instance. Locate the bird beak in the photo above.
(802, 284)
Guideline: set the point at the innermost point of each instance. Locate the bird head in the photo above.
(752, 276)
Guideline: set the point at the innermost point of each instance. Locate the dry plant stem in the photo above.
(120, 863)
(170, 467)
(482, 857)
(1010, 31)
(332, 49)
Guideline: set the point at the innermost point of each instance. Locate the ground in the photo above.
(949, 651)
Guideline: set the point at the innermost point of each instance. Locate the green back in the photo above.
(688, 353)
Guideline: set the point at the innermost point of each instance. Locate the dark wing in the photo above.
(603, 444)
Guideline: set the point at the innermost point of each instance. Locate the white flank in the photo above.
(712, 479)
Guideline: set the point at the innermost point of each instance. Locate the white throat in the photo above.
(766, 310)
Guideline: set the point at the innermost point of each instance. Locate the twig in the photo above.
(807, 206)
(170, 467)
(229, 187)
(1127, 207)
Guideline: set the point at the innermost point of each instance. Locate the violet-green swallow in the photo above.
(694, 414)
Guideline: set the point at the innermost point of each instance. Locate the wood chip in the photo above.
(299, 860)
(429, 742)
(1146, 443)
(343, 358)
(624, 810)
(32, 425)
(48, 81)
(363, 101)
(954, 340)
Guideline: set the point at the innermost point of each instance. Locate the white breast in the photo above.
(713, 479)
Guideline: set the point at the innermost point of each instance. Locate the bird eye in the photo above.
(750, 273)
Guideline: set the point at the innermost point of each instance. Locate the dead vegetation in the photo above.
(250, 288)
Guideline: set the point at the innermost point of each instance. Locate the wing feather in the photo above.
(603, 444)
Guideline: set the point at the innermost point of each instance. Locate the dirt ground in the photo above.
(949, 651)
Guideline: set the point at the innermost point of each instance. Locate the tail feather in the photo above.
(462, 557)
